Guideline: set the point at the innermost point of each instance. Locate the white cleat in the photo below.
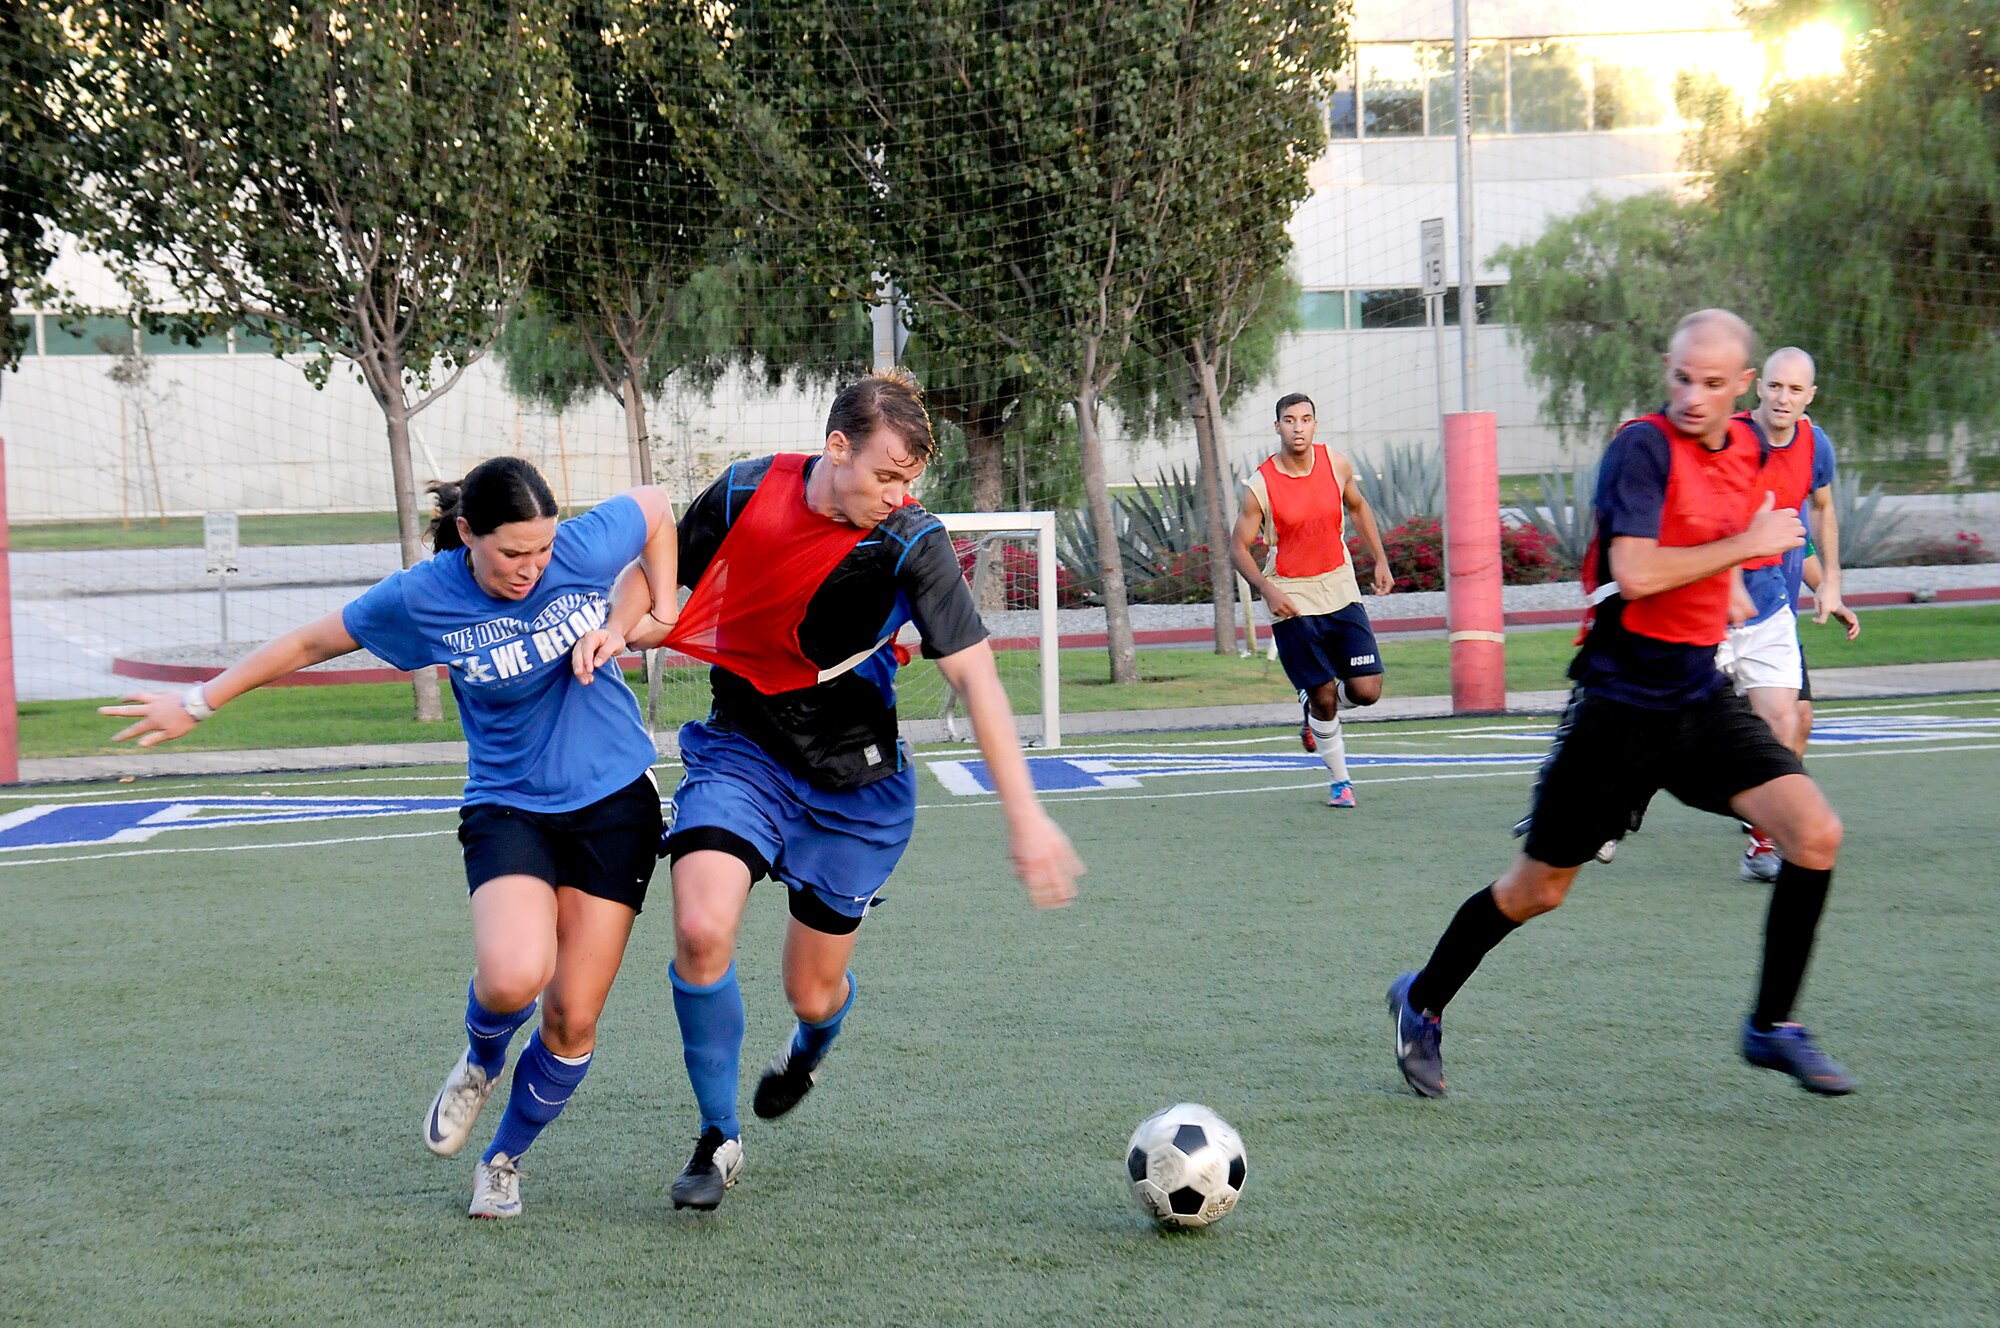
(496, 1188)
(456, 1107)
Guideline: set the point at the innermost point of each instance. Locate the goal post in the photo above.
(1042, 527)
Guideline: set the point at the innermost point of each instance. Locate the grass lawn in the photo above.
(1174, 679)
(224, 1038)
(184, 532)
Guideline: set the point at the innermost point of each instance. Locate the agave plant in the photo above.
(1564, 513)
(1865, 532)
(1406, 481)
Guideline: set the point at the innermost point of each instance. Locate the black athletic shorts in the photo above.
(1609, 759)
(607, 848)
(1805, 675)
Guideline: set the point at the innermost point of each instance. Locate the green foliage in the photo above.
(1874, 198)
(367, 179)
(1867, 535)
(1564, 514)
(1162, 542)
(1407, 480)
(1596, 295)
(36, 170)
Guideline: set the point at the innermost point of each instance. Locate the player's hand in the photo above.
(160, 715)
(1775, 529)
(593, 651)
(1741, 607)
(1838, 609)
(1281, 604)
(1384, 582)
(1045, 862)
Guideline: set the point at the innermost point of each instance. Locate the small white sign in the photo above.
(218, 537)
(1432, 240)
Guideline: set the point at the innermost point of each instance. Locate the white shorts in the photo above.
(1764, 654)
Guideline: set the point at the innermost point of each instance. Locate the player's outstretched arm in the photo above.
(1812, 575)
(1043, 858)
(1363, 516)
(660, 558)
(163, 716)
(1644, 567)
(645, 599)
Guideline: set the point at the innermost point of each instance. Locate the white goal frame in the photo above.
(1043, 524)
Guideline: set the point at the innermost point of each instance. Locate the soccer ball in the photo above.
(1186, 1165)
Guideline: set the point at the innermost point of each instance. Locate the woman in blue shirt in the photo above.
(561, 822)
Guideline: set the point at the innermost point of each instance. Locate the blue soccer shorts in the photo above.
(834, 848)
(1317, 648)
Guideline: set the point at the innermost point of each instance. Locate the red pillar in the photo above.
(10, 717)
(1473, 611)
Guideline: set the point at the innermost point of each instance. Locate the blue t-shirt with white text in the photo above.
(538, 739)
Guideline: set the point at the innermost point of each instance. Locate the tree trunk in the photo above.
(1205, 408)
(986, 447)
(1117, 615)
(635, 426)
(423, 683)
(1958, 454)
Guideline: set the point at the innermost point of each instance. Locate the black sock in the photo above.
(1477, 927)
(1796, 900)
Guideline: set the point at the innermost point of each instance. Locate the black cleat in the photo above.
(787, 1080)
(714, 1167)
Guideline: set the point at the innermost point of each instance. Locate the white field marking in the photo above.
(1855, 708)
(1057, 796)
(208, 784)
(224, 848)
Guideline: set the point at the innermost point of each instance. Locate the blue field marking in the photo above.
(1094, 768)
(1058, 774)
(135, 820)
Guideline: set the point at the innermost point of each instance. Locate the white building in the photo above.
(1570, 98)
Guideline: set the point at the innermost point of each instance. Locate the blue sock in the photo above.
(490, 1031)
(712, 1025)
(543, 1082)
(811, 1041)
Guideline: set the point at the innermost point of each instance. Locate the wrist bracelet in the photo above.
(664, 622)
(195, 702)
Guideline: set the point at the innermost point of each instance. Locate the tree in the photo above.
(639, 216)
(369, 180)
(1254, 75)
(35, 161)
(1874, 200)
(1596, 295)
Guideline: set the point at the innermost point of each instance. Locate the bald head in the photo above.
(1708, 367)
(1789, 362)
(1712, 329)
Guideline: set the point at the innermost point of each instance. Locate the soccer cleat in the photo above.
(1606, 851)
(1306, 738)
(786, 1081)
(1761, 860)
(496, 1188)
(1419, 1034)
(713, 1168)
(1789, 1048)
(456, 1107)
(1340, 793)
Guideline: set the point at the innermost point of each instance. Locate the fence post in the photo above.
(1474, 615)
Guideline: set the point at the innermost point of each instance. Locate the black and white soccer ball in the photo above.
(1186, 1165)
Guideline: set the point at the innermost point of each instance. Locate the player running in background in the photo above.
(804, 568)
(561, 822)
(1762, 652)
(1677, 510)
(1298, 500)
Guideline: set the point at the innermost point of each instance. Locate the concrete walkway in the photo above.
(1886, 680)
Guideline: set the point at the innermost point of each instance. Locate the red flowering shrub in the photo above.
(1416, 556)
(1961, 549)
(1018, 573)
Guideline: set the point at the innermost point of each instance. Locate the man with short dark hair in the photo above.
(1298, 500)
(804, 569)
(1677, 510)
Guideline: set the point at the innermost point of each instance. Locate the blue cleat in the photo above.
(1789, 1048)
(1340, 793)
(1418, 1035)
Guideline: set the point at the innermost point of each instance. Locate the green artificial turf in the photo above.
(220, 1062)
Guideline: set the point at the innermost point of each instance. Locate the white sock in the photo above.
(1332, 745)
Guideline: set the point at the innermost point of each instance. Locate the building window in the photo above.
(1343, 111)
(1550, 87)
(1323, 311)
(1387, 308)
(1392, 92)
(1486, 72)
(87, 336)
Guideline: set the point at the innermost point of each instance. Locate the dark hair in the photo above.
(885, 397)
(1290, 399)
(492, 494)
